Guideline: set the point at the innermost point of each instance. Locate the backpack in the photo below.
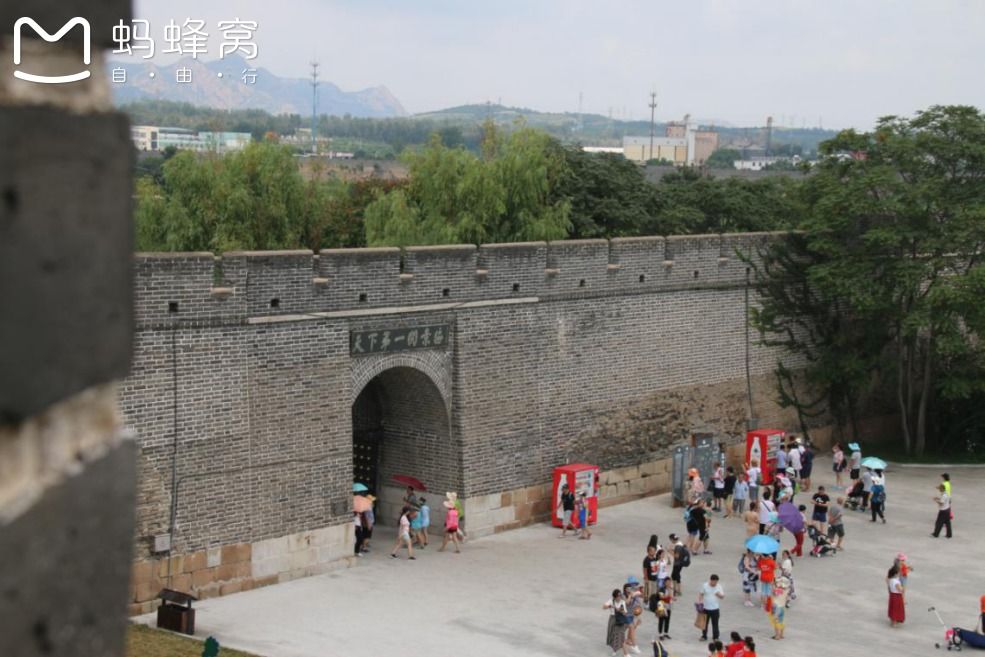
(659, 650)
(878, 494)
(685, 557)
(653, 602)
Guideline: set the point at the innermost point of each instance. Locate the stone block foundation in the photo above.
(242, 566)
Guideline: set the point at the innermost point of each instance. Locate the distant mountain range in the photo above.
(599, 130)
(271, 93)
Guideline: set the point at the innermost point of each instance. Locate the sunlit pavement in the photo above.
(527, 592)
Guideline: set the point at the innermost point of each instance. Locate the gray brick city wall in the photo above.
(546, 343)
(238, 285)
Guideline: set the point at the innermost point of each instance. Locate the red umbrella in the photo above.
(407, 480)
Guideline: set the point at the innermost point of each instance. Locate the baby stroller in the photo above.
(822, 546)
(854, 499)
(956, 638)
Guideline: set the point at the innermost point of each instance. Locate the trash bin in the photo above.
(176, 613)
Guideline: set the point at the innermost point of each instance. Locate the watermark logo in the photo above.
(51, 38)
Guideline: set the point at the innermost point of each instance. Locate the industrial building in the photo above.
(683, 143)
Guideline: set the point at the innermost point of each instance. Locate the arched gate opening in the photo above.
(400, 426)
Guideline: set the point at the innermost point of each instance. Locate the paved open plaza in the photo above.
(527, 592)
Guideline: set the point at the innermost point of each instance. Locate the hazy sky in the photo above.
(841, 62)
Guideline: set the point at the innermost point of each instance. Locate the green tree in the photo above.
(609, 195)
(723, 158)
(892, 253)
(251, 199)
(455, 197)
(688, 202)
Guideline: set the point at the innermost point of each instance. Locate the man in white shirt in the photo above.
(943, 512)
(718, 486)
(709, 595)
(794, 459)
(766, 508)
(752, 475)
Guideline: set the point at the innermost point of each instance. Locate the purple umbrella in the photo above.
(790, 518)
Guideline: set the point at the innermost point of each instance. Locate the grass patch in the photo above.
(143, 641)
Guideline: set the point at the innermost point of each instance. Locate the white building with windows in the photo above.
(152, 138)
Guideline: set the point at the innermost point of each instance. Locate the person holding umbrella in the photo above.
(357, 526)
(369, 521)
(854, 462)
(766, 546)
(410, 499)
(359, 522)
(790, 518)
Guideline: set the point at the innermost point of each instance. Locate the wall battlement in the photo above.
(202, 287)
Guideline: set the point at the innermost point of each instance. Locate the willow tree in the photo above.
(454, 196)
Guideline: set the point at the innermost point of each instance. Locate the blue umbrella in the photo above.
(873, 463)
(359, 488)
(762, 544)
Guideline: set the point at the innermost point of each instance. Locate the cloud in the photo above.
(849, 62)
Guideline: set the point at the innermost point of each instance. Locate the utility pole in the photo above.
(581, 121)
(769, 134)
(653, 113)
(314, 106)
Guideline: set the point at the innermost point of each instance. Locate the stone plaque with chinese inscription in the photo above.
(382, 341)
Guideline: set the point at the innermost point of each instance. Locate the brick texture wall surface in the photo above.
(608, 351)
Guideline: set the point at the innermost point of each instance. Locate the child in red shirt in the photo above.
(767, 570)
(737, 646)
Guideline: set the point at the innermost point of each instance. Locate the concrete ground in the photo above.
(526, 592)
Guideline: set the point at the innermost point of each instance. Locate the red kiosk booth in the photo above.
(580, 477)
(762, 445)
